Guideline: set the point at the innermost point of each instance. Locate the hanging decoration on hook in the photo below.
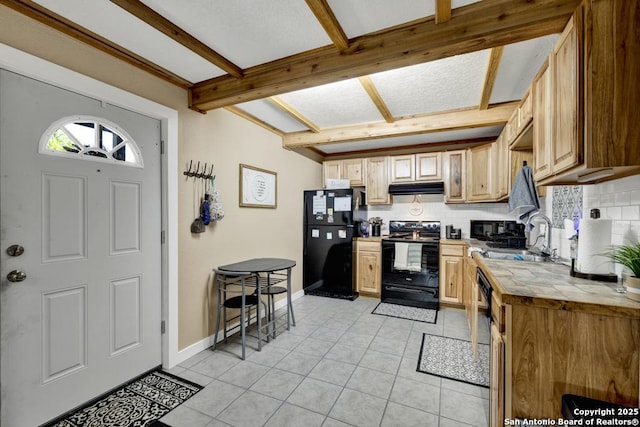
(416, 206)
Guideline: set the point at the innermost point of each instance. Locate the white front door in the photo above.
(86, 317)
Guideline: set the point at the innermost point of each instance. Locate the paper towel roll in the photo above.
(593, 242)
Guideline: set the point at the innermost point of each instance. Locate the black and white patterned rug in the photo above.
(139, 403)
(453, 358)
(426, 315)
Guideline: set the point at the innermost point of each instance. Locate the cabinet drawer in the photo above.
(452, 250)
(369, 246)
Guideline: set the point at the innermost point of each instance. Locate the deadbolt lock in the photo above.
(15, 250)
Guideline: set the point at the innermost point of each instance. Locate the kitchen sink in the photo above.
(515, 254)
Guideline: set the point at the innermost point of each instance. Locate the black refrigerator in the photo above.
(331, 221)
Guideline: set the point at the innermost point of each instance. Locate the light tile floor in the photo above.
(340, 366)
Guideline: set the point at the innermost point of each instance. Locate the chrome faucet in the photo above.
(546, 250)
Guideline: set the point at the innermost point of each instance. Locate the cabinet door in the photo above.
(331, 169)
(542, 124)
(368, 268)
(474, 318)
(354, 171)
(525, 112)
(378, 181)
(455, 175)
(496, 390)
(511, 128)
(501, 170)
(403, 168)
(565, 64)
(451, 277)
(429, 167)
(479, 169)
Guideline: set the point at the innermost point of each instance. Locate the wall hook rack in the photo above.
(197, 173)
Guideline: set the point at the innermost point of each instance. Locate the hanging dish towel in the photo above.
(414, 257)
(401, 255)
(523, 199)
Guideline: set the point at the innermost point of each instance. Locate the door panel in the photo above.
(87, 316)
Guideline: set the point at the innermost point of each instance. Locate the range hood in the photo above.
(418, 188)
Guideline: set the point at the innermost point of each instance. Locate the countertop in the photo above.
(549, 285)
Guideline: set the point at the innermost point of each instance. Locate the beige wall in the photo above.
(218, 137)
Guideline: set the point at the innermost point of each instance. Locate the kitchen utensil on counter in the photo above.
(456, 234)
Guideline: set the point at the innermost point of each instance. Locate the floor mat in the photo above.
(453, 358)
(137, 404)
(426, 315)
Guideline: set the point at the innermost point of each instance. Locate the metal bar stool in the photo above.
(232, 294)
(267, 288)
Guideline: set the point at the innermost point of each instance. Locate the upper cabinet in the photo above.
(593, 132)
(403, 168)
(455, 176)
(480, 165)
(416, 167)
(352, 169)
(377, 182)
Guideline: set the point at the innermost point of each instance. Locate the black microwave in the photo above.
(486, 230)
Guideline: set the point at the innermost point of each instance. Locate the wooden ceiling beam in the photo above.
(169, 29)
(297, 115)
(47, 17)
(450, 120)
(373, 93)
(490, 76)
(327, 19)
(478, 26)
(443, 11)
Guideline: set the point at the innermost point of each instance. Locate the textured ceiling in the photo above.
(255, 33)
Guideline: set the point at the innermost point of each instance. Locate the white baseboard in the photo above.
(207, 342)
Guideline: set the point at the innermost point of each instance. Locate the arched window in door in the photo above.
(90, 138)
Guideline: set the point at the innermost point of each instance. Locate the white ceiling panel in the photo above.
(269, 113)
(446, 84)
(336, 104)
(399, 141)
(112, 22)
(358, 17)
(247, 32)
(519, 65)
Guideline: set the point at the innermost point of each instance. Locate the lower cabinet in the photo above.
(368, 267)
(452, 273)
(496, 390)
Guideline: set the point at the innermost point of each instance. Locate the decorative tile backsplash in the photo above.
(566, 203)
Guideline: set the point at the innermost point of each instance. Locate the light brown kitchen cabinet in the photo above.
(377, 183)
(497, 382)
(525, 112)
(455, 176)
(331, 169)
(452, 273)
(403, 168)
(429, 167)
(594, 130)
(479, 173)
(416, 167)
(566, 65)
(501, 169)
(542, 123)
(368, 267)
(352, 169)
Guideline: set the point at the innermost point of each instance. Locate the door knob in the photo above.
(15, 250)
(16, 276)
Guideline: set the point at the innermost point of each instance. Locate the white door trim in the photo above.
(31, 66)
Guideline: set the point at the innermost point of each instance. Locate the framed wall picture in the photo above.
(258, 187)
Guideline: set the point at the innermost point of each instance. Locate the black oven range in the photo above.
(410, 260)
